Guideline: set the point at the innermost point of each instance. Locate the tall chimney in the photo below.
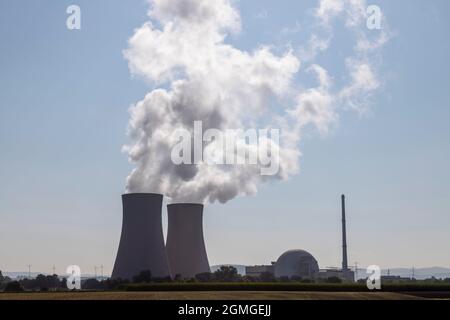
(185, 243)
(344, 237)
(141, 246)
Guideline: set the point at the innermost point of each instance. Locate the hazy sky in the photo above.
(64, 99)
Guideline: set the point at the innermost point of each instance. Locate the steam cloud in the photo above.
(183, 51)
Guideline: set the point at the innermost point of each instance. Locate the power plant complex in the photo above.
(142, 246)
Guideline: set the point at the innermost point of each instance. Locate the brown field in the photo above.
(209, 295)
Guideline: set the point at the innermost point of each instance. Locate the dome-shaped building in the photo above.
(298, 263)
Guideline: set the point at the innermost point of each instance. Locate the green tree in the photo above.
(204, 277)
(92, 284)
(13, 286)
(41, 282)
(226, 274)
(112, 284)
(63, 283)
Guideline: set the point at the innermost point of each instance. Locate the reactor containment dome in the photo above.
(296, 263)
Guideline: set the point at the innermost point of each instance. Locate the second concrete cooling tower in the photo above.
(141, 245)
(185, 244)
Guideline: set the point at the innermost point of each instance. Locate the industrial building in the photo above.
(347, 276)
(301, 264)
(257, 271)
(291, 264)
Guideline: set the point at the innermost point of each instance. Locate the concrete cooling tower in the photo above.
(142, 242)
(185, 244)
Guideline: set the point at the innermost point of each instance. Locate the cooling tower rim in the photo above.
(184, 204)
(134, 194)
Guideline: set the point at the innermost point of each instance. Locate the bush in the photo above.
(13, 286)
(42, 281)
(92, 284)
(306, 281)
(282, 286)
(333, 280)
(114, 284)
(144, 276)
(226, 274)
(204, 277)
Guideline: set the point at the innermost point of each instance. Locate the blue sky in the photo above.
(64, 97)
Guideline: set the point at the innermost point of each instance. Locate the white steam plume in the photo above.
(183, 50)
